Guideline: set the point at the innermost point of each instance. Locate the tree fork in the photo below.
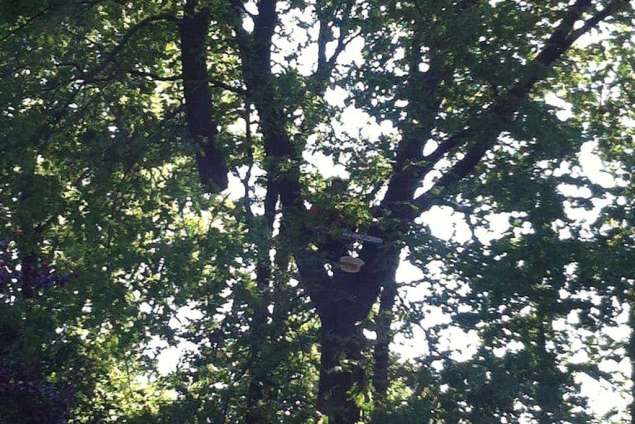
(403, 182)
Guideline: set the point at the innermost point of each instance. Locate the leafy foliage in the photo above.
(120, 249)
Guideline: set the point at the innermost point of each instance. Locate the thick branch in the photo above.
(489, 124)
(382, 347)
(282, 158)
(210, 159)
(423, 107)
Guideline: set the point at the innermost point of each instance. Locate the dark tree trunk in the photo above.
(382, 346)
(631, 352)
(341, 371)
(28, 263)
(210, 160)
(342, 304)
(549, 388)
(259, 329)
(28, 237)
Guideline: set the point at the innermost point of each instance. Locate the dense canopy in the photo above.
(184, 186)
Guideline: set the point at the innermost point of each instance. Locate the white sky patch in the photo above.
(592, 37)
(145, 307)
(566, 109)
(463, 345)
(325, 165)
(169, 357)
(234, 187)
(353, 52)
(335, 96)
(353, 120)
(446, 224)
(184, 315)
(593, 166)
(602, 397)
(407, 272)
(440, 221)
(411, 348)
(499, 223)
(512, 347)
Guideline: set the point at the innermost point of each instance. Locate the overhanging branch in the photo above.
(110, 57)
(489, 124)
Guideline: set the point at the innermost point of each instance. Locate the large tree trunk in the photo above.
(631, 352)
(549, 388)
(382, 347)
(256, 412)
(341, 371)
(342, 304)
(210, 160)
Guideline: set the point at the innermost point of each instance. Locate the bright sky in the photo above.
(443, 224)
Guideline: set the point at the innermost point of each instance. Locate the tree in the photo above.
(128, 120)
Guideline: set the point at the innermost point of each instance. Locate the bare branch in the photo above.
(325, 66)
(155, 77)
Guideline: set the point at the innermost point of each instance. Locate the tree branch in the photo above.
(168, 78)
(210, 159)
(110, 57)
(325, 66)
(491, 122)
(423, 107)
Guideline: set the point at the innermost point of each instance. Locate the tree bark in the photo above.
(258, 329)
(548, 391)
(341, 372)
(28, 239)
(381, 354)
(343, 303)
(210, 159)
(631, 351)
